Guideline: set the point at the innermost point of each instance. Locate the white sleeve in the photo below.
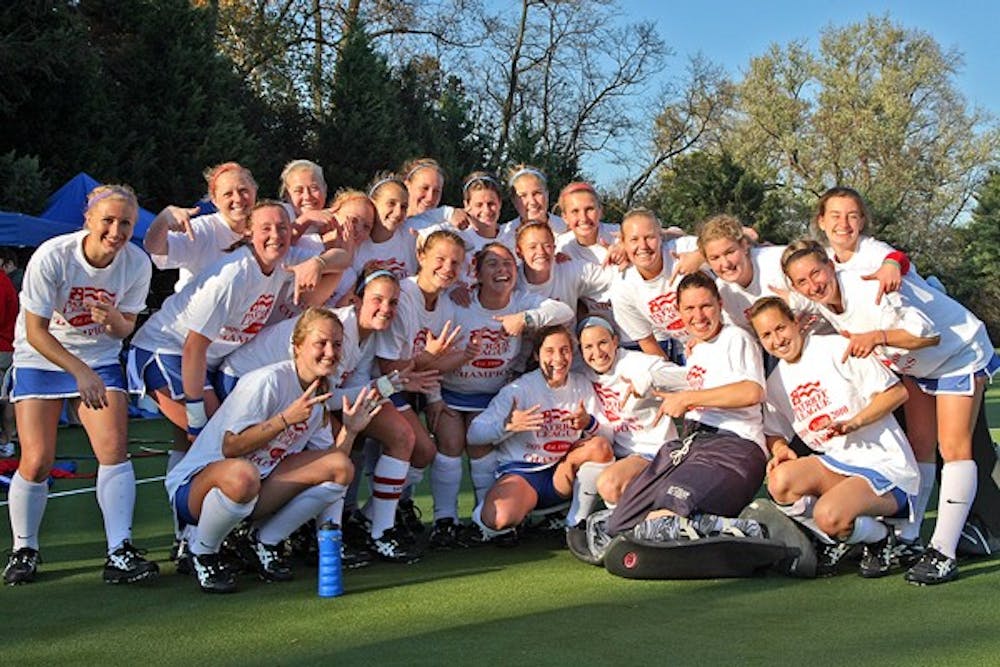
(627, 315)
(897, 314)
(211, 304)
(39, 286)
(867, 374)
(665, 376)
(595, 280)
(133, 301)
(544, 311)
(430, 217)
(489, 426)
(253, 404)
(775, 422)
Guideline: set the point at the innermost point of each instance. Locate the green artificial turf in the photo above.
(531, 605)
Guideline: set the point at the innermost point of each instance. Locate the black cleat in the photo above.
(409, 516)
(22, 567)
(446, 534)
(878, 558)
(932, 568)
(271, 563)
(125, 565)
(213, 576)
(395, 548)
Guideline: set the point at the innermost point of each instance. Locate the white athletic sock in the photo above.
(958, 489)
(173, 458)
(332, 513)
(910, 530)
(116, 498)
(413, 478)
(482, 472)
(298, 510)
(387, 485)
(802, 507)
(585, 494)
(26, 502)
(219, 515)
(446, 479)
(488, 533)
(867, 530)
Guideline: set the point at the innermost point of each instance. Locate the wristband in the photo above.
(385, 386)
(591, 425)
(281, 415)
(901, 259)
(196, 417)
(322, 262)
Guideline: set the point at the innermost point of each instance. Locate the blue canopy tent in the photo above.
(17, 229)
(68, 203)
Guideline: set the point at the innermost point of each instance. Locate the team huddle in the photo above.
(310, 349)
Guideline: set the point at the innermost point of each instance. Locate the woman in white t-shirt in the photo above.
(841, 407)
(175, 240)
(424, 180)
(944, 349)
(80, 297)
(529, 192)
(493, 327)
(176, 352)
(390, 245)
(269, 454)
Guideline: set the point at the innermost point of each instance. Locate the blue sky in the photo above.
(729, 33)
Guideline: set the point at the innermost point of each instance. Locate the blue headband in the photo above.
(380, 273)
(594, 321)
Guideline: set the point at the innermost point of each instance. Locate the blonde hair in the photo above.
(797, 250)
(531, 226)
(522, 169)
(111, 191)
(300, 165)
(345, 195)
(411, 167)
(721, 226)
(574, 188)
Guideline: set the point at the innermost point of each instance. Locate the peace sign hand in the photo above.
(437, 345)
(301, 408)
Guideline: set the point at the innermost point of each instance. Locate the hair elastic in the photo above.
(594, 321)
(479, 179)
(527, 170)
(378, 273)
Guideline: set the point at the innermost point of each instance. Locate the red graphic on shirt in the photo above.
(494, 345)
(696, 377)
(257, 314)
(76, 312)
(610, 402)
(392, 264)
(809, 399)
(267, 458)
(663, 312)
(420, 342)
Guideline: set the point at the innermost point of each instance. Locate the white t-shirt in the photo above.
(643, 307)
(546, 446)
(732, 356)
(736, 300)
(606, 234)
(631, 417)
(817, 390)
(398, 254)
(228, 303)
(308, 245)
(406, 337)
(867, 258)
(921, 310)
(212, 236)
(260, 395)
(59, 280)
(492, 368)
(571, 281)
(473, 244)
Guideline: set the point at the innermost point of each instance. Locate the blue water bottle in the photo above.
(329, 537)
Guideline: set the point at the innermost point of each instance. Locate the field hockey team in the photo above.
(315, 346)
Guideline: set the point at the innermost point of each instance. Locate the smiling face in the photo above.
(643, 244)
(304, 190)
(391, 203)
(537, 248)
(842, 220)
(484, 206)
(440, 263)
(496, 272)
(582, 213)
(531, 198)
(555, 355)
(378, 304)
(270, 236)
(814, 279)
(730, 260)
(320, 349)
(598, 347)
(110, 222)
(234, 196)
(701, 312)
(779, 335)
(358, 214)
(425, 186)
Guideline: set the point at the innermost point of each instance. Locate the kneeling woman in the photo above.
(543, 429)
(842, 408)
(268, 453)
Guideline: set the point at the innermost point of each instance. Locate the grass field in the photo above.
(533, 605)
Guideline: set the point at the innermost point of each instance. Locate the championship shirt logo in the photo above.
(267, 458)
(494, 344)
(609, 400)
(663, 312)
(696, 377)
(420, 342)
(255, 317)
(392, 264)
(556, 434)
(76, 312)
(808, 399)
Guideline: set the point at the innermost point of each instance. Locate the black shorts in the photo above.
(719, 473)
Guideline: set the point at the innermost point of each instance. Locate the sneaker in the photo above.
(22, 567)
(932, 568)
(125, 565)
(598, 538)
(393, 547)
(213, 576)
(271, 563)
(878, 558)
(579, 546)
(7, 450)
(829, 556)
(182, 558)
(357, 529)
(446, 534)
(355, 558)
(408, 515)
(907, 552)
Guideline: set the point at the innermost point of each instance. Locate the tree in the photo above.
(876, 109)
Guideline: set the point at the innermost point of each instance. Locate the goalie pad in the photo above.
(706, 558)
(801, 558)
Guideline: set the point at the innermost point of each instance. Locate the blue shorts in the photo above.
(466, 402)
(876, 480)
(151, 371)
(224, 385)
(37, 383)
(181, 507)
(540, 481)
(961, 384)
